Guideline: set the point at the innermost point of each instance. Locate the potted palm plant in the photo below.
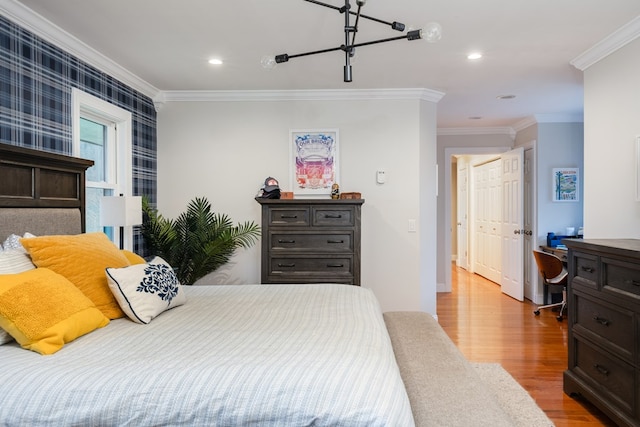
(198, 241)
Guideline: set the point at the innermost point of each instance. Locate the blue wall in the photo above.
(36, 79)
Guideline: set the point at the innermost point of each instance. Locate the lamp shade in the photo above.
(120, 211)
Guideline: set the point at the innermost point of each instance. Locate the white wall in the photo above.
(559, 145)
(428, 228)
(224, 150)
(612, 122)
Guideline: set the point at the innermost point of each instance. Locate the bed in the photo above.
(227, 355)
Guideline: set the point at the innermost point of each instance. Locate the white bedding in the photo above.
(252, 355)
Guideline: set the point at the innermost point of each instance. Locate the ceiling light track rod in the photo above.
(394, 25)
(285, 57)
(432, 33)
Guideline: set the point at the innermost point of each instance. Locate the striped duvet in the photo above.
(253, 355)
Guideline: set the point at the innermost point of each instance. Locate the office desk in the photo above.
(560, 253)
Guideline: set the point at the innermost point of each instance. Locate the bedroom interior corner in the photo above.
(490, 327)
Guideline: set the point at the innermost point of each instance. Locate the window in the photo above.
(102, 133)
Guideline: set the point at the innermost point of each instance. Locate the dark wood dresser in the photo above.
(311, 240)
(604, 326)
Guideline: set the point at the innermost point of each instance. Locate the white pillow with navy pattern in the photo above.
(143, 291)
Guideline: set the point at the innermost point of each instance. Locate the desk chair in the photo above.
(553, 274)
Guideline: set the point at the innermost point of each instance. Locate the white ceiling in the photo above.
(527, 44)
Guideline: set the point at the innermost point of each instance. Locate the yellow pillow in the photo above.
(82, 259)
(133, 257)
(42, 310)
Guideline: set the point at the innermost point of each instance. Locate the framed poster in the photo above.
(314, 162)
(566, 185)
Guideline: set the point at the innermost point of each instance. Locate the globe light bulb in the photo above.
(432, 32)
(268, 62)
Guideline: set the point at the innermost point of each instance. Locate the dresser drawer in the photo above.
(312, 242)
(621, 277)
(613, 378)
(604, 320)
(333, 217)
(298, 216)
(586, 269)
(314, 264)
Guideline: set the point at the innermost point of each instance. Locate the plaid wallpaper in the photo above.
(36, 79)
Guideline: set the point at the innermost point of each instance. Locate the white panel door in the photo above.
(512, 223)
(462, 216)
(487, 189)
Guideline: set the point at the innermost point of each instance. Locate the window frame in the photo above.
(119, 174)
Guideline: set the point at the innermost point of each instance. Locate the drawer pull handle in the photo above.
(634, 282)
(286, 241)
(602, 321)
(604, 371)
(289, 216)
(335, 241)
(286, 265)
(587, 269)
(333, 216)
(335, 265)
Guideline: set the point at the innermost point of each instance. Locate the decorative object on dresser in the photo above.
(311, 241)
(351, 195)
(604, 326)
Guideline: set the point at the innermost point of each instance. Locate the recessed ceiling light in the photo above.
(215, 61)
(474, 55)
(505, 96)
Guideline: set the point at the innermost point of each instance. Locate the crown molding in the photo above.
(45, 29)
(547, 118)
(524, 123)
(515, 128)
(559, 118)
(608, 45)
(476, 131)
(296, 95)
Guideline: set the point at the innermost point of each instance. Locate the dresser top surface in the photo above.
(625, 247)
(309, 201)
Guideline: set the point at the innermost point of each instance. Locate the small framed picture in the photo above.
(566, 185)
(313, 162)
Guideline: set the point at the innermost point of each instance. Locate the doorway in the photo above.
(475, 210)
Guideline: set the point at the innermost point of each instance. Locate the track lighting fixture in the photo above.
(432, 32)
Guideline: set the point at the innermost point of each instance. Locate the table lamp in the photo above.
(121, 211)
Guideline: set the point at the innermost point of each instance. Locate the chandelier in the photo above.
(432, 32)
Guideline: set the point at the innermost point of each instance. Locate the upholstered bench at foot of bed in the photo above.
(443, 387)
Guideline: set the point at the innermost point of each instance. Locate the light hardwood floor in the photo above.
(488, 326)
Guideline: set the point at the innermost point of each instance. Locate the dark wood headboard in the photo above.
(38, 179)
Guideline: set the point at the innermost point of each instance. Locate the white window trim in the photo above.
(89, 105)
